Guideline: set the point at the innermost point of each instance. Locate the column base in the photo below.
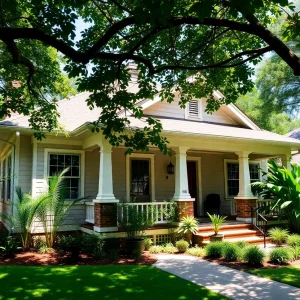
(105, 229)
(245, 220)
(243, 208)
(109, 198)
(185, 207)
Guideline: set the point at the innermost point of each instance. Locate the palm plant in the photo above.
(217, 221)
(52, 212)
(283, 187)
(188, 226)
(25, 211)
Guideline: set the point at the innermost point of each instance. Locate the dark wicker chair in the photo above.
(212, 204)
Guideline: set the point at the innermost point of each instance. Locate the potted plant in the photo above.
(134, 222)
(217, 221)
(188, 226)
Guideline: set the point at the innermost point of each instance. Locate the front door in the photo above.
(192, 180)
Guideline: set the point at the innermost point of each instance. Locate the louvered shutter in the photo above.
(194, 108)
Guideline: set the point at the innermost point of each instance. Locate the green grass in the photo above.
(96, 282)
(288, 275)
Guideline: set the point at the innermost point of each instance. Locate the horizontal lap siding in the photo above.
(25, 164)
(119, 172)
(5, 208)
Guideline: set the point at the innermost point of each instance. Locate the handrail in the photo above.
(256, 222)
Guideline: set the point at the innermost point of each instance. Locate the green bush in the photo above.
(278, 235)
(38, 243)
(281, 255)
(293, 240)
(71, 244)
(169, 248)
(93, 245)
(113, 254)
(231, 252)
(295, 250)
(196, 251)
(241, 244)
(156, 249)
(214, 250)
(182, 245)
(148, 243)
(10, 247)
(253, 255)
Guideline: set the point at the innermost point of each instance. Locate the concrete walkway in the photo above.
(223, 280)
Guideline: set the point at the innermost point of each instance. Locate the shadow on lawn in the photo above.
(91, 282)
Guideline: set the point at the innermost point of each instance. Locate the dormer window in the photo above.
(194, 110)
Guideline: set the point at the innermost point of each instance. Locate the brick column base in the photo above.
(243, 209)
(185, 208)
(105, 217)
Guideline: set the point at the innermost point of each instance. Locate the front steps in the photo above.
(232, 233)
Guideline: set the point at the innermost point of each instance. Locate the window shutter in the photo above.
(194, 108)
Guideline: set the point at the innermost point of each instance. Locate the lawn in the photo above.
(288, 275)
(93, 282)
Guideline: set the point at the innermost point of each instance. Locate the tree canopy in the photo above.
(169, 40)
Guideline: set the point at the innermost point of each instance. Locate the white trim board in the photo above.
(152, 173)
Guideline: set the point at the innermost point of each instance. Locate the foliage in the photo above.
(287, 275)
(231, 252)
(182, 245)
(241, 244)
(10, 247)
(170, 41)
(278, 235)
(253, 255)
(44, 249)
(92, 282)
(26, 208)
(217, 221)
(196, 251)
(280, 255)
(156, 249)
(295, 251)
(188, 226)
(171, 213)
(70, 244)
(52, 212)
(38, 242)
(167, 248)
(133, 221)
(113, 254)
(93, 245)
(283, 187)
(147, 243)
(214, 250)
(293, 240)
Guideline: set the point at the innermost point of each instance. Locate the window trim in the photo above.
(227, 197)
(5, 158)
(128, 173)
(48, 151)
(200, 111)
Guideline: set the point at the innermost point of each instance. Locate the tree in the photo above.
(170, 41)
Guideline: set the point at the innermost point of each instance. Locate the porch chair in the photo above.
(212, 204)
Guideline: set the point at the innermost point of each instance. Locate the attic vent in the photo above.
(194, 108)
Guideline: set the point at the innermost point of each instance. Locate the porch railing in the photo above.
(261, 203)
(89, 212)
(155, 210)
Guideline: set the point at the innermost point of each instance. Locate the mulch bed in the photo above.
(55, 259)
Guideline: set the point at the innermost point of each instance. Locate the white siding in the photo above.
(25, 166)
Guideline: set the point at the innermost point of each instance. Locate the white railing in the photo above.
(267, 202)
(89, 212)
(156, 210)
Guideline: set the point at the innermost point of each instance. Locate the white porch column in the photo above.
(245, 196)
(105, 190)
(286, 161)
(181, 177)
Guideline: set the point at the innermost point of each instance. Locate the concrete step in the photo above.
(226, 227)
(250, 239)
(229, 233)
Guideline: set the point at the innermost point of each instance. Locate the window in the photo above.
(233, 176)
(59, 162)
(6, 172)
(194, 109)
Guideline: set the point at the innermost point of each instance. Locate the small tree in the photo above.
(217, 221)
(188, 226)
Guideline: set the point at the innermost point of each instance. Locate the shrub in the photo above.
(295, 250)
(45, 249)
(214, 250)
(113, 254)
(278, 235)
(242, 244)
(71, 244)
(93, 245)
(169, 248)
(280, 255)
(217, 221)
(188, 226)
(231, 252)
(196, 251)
(148, 243)
(10, 247)
(38, 243)
(253, 255)
(156, 249)
(293, 240)
(182, 245)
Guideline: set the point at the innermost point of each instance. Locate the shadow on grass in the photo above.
(93, 282)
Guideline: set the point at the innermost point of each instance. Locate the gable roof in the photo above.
(295, 134)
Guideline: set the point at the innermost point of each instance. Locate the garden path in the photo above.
(231, 283)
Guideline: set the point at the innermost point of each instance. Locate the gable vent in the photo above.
(194, 108)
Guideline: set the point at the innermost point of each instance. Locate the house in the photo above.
(219, 153)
